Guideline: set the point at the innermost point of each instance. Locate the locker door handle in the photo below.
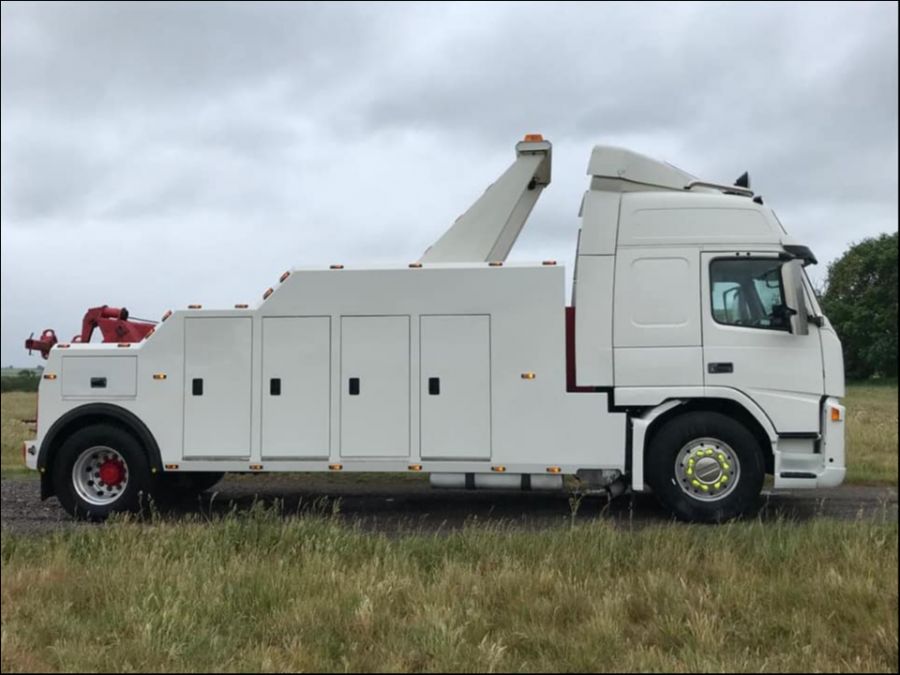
(434, 386)
(354, 386)
(716, 368)
(275, 386)
(98, 383)
(197, 386)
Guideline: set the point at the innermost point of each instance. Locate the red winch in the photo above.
(114, 325)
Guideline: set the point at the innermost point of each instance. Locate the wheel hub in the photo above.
(707, 469)
(112, 472)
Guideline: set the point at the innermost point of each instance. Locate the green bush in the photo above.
(860, 299)
(25, 380)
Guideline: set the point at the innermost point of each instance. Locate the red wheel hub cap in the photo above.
(112, 472)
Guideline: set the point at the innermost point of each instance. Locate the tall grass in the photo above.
(872, 449)
(262, 591)
(15, 407)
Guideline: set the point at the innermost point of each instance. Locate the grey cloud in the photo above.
(157, 154)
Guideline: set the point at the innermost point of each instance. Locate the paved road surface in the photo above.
(389, 505)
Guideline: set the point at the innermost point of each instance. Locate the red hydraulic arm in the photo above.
(114, 325)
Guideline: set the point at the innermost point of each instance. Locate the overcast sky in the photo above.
(159, 155)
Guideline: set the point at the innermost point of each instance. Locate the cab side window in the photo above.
(748, 292)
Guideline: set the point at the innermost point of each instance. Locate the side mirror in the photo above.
(792, 277)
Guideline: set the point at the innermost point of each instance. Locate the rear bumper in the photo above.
(820, 465)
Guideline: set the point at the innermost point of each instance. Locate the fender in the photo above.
(640, 425)
(87, 413)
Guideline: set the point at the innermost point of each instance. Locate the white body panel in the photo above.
(217, 387)
(375, 399)
(296, 391)
(455, 387)
(86, 377)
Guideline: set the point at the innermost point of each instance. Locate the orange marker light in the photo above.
(335, 467)
(284, 276)
(159, 376)
(498, 469)
(268, 292)
(529, 376)
(495, 263)
(256, 467)
(49, 376)
(415, 266)
(554, 469)
(549, 262)
(195, 306)
(241, 306)
(166, 315)
(835, 414)
(415, 467)
(533, 138)
(337, 267)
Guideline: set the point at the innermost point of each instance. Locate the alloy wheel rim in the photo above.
(707, 469)
(100, 475)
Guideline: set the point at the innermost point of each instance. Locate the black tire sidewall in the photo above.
(672, 437)
(136, 492)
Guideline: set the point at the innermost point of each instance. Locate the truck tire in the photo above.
(99, 470)
(705, 467)
(186, 484)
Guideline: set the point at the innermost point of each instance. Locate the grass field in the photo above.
(256, 591)
(262, 591)
(871, 433)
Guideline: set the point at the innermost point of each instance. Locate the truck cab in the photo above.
(692, 359)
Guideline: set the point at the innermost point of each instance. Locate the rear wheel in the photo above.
(99, 470)
(705, 467)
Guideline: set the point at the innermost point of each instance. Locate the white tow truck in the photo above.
(693, 360)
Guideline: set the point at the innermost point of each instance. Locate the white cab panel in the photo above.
(99, 377)
(375, 396)
(659, 367)
(455, 387)
(593, 320)
(296, 387)
(217, 381)
(599, 223)
(656, 298)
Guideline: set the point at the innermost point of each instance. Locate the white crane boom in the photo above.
(488, 230)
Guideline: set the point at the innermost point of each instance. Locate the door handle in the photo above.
(434, 386)
(354, 386)
(721, 367)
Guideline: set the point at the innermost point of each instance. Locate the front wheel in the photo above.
(705, 467)
(99, 470)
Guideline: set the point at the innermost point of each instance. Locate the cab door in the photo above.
(748, 344)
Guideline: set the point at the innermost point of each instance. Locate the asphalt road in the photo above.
(396, 506)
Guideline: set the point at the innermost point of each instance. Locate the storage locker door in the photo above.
(217, 354)
(296, 387)
(375, 386)
(455, 387)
